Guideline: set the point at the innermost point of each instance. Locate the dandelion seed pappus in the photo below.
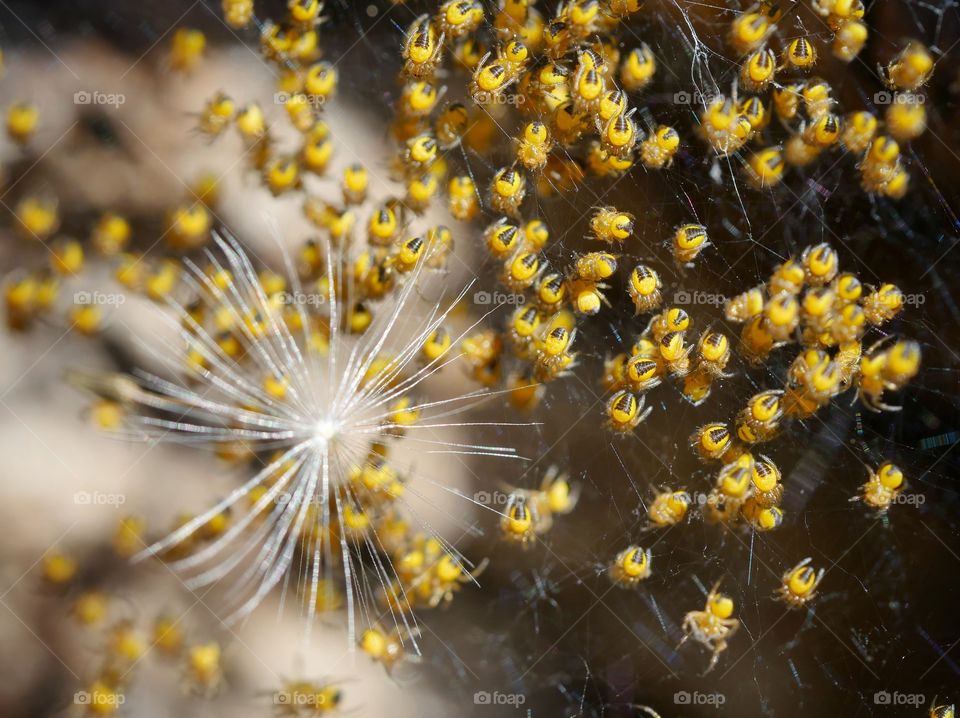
(334, 411)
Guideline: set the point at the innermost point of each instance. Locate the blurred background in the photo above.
(544, 628)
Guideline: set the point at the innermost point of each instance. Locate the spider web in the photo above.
(546, 623)
(558, 633)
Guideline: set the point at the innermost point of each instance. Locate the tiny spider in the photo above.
(713, 626)
(799, 584)
(882, 488)
(631, 566)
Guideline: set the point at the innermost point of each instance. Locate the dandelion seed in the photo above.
(323, 419)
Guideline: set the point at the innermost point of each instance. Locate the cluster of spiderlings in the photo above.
(747, 489)
(857, 132)
(806, 300)
(661, 351)
(426, 571)
(715, 625)
(121, 642)
(561, 77)
(34, 294)
(569, 80)
(728, 125)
